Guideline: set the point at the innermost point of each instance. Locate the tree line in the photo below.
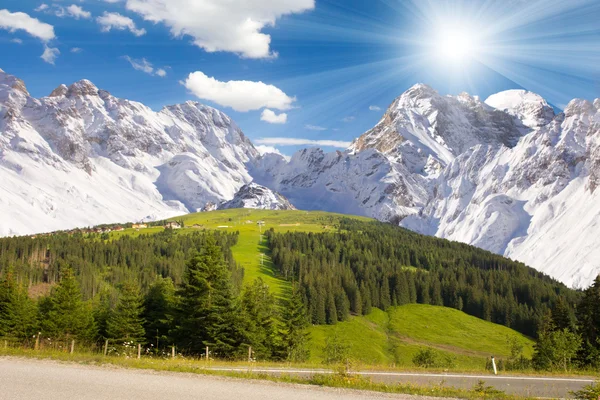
(101, 265)
(201, 308)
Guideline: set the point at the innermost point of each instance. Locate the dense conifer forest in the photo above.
(366, 265)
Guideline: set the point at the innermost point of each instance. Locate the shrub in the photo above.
(431, 358)
(590, 392)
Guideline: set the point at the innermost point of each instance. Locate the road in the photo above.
(22, 379)
(533, 386)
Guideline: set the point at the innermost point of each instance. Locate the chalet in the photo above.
(119, 229)
(139, 226)
(172, 225)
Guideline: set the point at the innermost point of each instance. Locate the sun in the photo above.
(456, 44)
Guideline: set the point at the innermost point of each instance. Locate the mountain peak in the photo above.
(260, 197)
(82, 88)
(420, 90)
(13, 82)
(60, 91)
(529, 107)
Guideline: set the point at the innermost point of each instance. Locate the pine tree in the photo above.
(205, 315)
(103, 305)
(295, 323)
(126, 321)
(66, 315)
(562, 315)
(18, 313)
(159, 306)
(588, 325)
(258, 309)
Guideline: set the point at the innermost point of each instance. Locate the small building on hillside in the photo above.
(139, 226)
(119, 229)
(172, 225)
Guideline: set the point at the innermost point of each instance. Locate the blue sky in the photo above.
(331, 66)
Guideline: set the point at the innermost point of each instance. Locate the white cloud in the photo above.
(77, 12)
(42, 7)
(119, 22)
(217, 25)
(76, 50)
(262, 149)
(17, 41)
(145, 66)
(278, 141)
(314, 128)
(272, 118)
(374, 108)
(240, 95)
(348, 119)
(21, 21)
(50, 54)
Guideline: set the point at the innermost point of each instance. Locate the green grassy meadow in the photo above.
(393, 338)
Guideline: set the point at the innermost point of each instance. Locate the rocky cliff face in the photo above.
(260, 197)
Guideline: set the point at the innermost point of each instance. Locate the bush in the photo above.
(590, 392)
(431, 358)
(336, 351)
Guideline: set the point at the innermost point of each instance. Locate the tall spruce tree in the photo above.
(294, 333)
(259, 314)
(65, 315)
(18, 313)
(158, 311)
(588, 318)
(205, 314)
(126, 321)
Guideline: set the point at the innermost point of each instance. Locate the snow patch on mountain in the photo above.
(258, 197)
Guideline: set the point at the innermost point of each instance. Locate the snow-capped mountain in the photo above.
(256, 196)
(536, 202)
(82, 156)
(507, 174)
(425, 131)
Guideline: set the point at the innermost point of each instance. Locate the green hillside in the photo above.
(344, 271)
(394, 337)
(251, 251)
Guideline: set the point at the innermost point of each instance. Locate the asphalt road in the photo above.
(34, 380)
(23, 379)
(533, 386)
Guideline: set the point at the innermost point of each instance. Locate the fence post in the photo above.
(72, 346)
(105, 347)
(139, 351)
(173, 352)
(37, 341)
(249, 353)
(206, 353)
(5, 344)
(494, 365)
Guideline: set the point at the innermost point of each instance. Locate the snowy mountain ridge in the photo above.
(507, 174)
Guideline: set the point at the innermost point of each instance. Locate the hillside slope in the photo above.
(394, 337)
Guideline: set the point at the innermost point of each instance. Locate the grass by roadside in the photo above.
(337, 379)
